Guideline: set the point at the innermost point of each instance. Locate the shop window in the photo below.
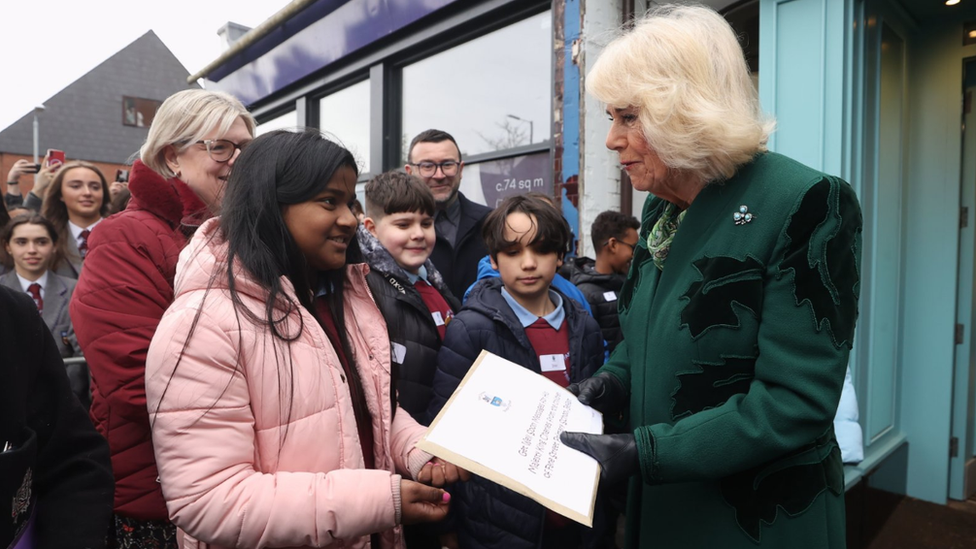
(287, 121)
(492, 93)
(744, 19)
(345, 115)
(138, 112)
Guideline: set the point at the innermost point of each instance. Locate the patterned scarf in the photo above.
(662, 233)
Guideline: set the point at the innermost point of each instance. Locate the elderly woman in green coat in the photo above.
(738, 312)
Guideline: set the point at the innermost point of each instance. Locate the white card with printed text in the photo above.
(503, 423)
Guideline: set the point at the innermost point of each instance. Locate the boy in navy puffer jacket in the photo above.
(520, 317)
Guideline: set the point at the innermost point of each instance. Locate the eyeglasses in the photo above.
(427, 169)
(628, 244)
(221, 150)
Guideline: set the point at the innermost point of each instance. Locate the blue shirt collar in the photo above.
(421, 274)
(555, 318)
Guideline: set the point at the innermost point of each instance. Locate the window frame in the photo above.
(148, 123)
(382, 64)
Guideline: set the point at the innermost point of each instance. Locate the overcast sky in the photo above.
(48, 44)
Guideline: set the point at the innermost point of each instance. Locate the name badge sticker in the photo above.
(553, 363)
(610, 296)
(438, 318)
(399, 352)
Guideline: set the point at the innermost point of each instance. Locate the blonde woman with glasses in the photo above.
(127, 284)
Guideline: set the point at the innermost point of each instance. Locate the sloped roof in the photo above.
(85, 118)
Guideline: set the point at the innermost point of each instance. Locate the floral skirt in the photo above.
(130, 533)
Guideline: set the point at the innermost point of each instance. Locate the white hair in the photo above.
(683, 69)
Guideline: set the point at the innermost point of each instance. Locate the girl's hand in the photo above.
(44, 178)
(20, 167)
(438, 472)
(419, 503)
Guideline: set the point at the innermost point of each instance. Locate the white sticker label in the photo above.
(399, 352)
(438, 319)
(610, 296)
(553, 363)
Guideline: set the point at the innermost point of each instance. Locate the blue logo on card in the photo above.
(496, 401)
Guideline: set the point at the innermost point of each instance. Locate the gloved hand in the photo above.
(604, 392)
(617, 454)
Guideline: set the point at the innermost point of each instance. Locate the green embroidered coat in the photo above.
(735, 355)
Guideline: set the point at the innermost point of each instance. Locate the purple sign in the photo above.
(507, 177)
(327, 32)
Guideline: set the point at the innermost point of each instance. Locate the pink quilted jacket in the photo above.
(255, 439)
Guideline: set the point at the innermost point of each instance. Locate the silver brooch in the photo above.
(743, 216)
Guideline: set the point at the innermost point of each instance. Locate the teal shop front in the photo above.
(878, 92)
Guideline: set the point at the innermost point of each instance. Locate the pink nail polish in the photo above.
(447, 497)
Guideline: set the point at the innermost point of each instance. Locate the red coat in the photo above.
(122, 293)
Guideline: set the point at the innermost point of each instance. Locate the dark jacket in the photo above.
(409, 323)
(31, 201)
(58, 468)
(596, 287)
(121, 295)
(459, 263)
(57, 295)
(486, 514)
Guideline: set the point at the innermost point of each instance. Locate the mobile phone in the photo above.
(122, 176)
(54, 156)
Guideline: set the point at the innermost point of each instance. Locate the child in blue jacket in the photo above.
(521, 317)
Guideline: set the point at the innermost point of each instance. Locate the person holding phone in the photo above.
(44, 173)
(127, 284)
(75, 202)
(121, 183)
(14, 196)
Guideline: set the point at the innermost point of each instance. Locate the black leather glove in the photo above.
(603, 392)
(617, 454)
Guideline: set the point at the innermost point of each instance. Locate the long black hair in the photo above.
(279, 169)
(276, 170)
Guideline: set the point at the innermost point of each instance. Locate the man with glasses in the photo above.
(614, 236)
(435, 157)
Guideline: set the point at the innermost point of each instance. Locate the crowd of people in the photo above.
(262, 354)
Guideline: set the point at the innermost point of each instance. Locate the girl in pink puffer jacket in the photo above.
(268, 380)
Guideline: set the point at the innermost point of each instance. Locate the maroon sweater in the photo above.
(436, 304)
(364, 423)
